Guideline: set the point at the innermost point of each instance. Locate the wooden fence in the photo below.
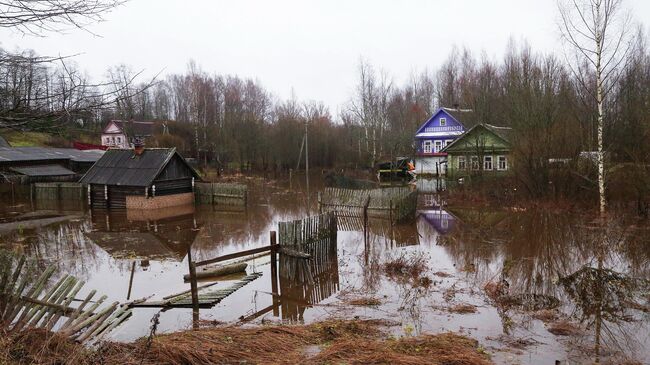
(29, 303)
(221, 194)
(58, 191)
(314, 237)
(397, 204)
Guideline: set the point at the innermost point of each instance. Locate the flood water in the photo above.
(592, 274)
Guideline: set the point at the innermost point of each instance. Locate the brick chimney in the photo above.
(138, 146)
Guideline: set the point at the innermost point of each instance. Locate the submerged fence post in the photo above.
(194, 289)
(365, 220)
(274, 272)
(128, 295)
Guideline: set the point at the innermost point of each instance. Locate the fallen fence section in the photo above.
(221, 194)
(38, 305)
(206, 300)
(397, 204)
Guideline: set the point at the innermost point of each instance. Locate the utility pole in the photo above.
(307, 163)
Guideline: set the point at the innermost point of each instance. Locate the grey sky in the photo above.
(311, 46)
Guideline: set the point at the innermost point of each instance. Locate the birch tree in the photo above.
(597, 33)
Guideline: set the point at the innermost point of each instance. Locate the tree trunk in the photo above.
(599, 102)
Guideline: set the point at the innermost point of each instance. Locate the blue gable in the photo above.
(433, 124)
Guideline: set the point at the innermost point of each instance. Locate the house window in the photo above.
(474, 162)
(448, 142)
(502, 163)
(443, 122)
(112, 140)
(461, 163)
(427, 146)
(107, 140)
(487, 163)
(438, 146)
(119, 140)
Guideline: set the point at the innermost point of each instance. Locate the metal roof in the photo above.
(133, 128)
(124, 167)
(45, 170)
(15, 154)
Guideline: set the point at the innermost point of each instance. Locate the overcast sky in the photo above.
(312, 47)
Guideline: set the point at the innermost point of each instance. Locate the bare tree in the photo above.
(598, 33)
(36, 17)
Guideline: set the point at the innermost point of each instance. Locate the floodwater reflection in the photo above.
(598, 273)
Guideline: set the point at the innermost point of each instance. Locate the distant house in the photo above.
(122, 133)
(441, 129)
(140, 178)
(484, 149)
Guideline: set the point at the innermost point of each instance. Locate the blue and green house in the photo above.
(445, 145)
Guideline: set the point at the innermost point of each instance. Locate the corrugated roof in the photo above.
(466, 117)
(45, 170)
(135, 128)
(503, 132)
(8, 154)
(124, 167)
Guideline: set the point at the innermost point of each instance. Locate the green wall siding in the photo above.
(479, 142)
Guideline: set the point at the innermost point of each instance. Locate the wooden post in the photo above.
(128, 295)
(320, 208)
(274, 273)
(365, 221)
(194, 289)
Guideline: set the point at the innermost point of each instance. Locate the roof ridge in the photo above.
(456, 109)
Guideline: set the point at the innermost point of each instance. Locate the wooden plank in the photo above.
(235, 255)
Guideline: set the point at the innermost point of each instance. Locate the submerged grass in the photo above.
(406, 266)
(349, 342)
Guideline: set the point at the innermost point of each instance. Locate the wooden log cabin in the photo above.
(140, 178)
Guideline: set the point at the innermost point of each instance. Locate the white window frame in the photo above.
(448, 142)
(427, 146)
(437, 145)
(462, 163)
(443, 121)
(474, 165)
(488, 160)
(505, 163)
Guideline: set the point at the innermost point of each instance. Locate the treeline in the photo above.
(231, 122)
